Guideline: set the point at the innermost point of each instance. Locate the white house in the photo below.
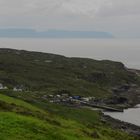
(87, 99)
(3, 87)
(17, 89)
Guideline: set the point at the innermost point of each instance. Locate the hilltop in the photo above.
(37, 71)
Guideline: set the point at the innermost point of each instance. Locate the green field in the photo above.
(59, 123)
(17, 102)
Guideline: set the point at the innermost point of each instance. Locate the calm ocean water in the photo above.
(124, 50)
(131, 115)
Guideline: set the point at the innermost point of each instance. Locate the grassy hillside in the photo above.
(17, 102)
(58, 123)
(27, 116)
(52, 73)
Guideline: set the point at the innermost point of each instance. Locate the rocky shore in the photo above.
(123, 126)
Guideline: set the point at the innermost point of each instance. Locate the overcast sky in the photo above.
(120, 17)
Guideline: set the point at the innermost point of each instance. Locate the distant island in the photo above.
(29, 33)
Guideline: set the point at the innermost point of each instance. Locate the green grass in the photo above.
(14, 127)
(62, 123)
(83, 115)
(18, 102)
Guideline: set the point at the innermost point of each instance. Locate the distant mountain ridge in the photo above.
(53, 33)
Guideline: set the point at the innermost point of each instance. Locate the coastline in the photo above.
(121, 125)
(114, 123)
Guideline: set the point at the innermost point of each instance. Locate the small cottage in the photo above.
(3, 87)
(17, 89)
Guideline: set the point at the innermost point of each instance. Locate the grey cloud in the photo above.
(122, 8)
(83, 7)
(121, 17)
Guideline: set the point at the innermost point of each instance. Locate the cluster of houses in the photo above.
(3, 87)
(17, 88)
(66, 98)
(56, 98)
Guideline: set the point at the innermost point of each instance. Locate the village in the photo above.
(69, 99)
(79, 101)
(16, 88)
(65, 98)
